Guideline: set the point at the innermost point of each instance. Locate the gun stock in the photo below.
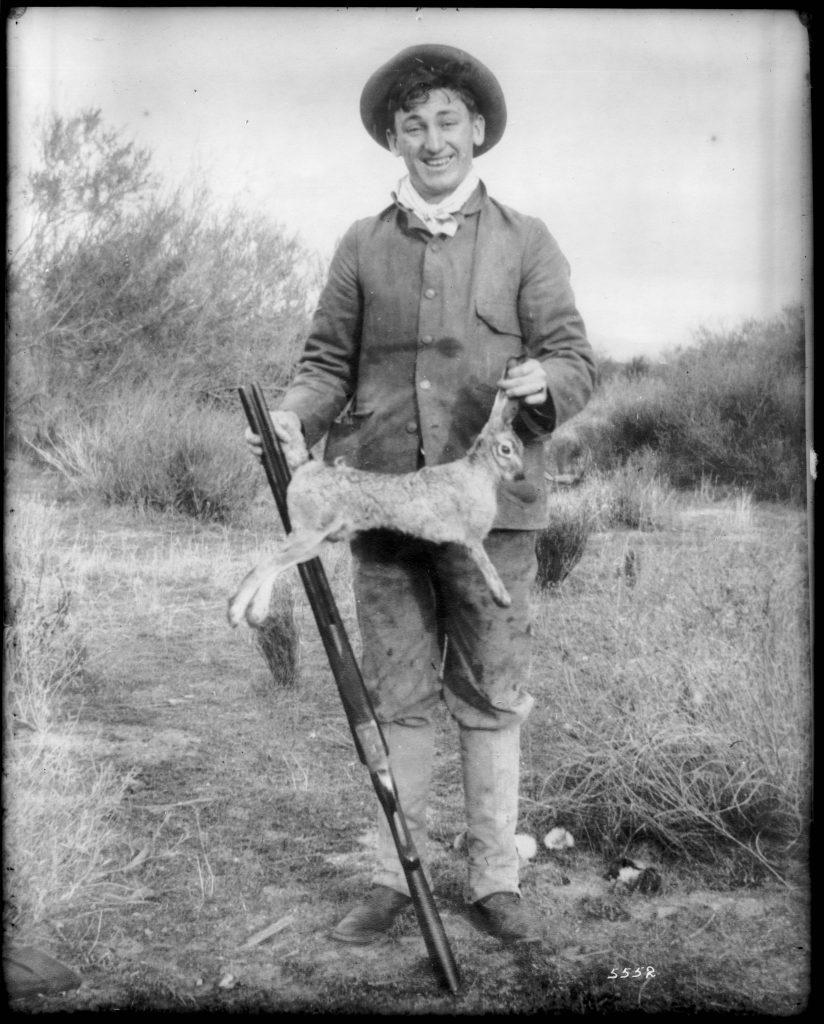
(364, 726)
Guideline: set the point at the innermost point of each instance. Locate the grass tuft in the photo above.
(560, 546)
(278, 638)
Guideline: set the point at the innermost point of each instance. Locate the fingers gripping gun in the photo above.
(366, 731)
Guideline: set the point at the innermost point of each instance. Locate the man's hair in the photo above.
(414, 88)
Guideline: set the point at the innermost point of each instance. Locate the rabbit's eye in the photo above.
(505, 449)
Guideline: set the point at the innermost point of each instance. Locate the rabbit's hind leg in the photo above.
(254, 594)
(300, 547)
(250, 584)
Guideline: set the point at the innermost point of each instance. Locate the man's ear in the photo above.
(478, 129)
(392, 139)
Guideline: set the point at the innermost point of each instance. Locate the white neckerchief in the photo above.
(437, 217)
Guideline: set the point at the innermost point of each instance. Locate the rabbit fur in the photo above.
(453, 503)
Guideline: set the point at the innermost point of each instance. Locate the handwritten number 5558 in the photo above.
(627, 972)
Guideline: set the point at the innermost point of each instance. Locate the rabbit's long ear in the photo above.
(504, 410)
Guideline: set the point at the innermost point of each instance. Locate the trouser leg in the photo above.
(401, 660)
(491, 772)
(411, 752)
(487, 667)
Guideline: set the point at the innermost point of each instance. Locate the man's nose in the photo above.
(434, 139)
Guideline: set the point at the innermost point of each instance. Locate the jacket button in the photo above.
(427, 339)
(411, 427)
(429, 293)
(425, 385)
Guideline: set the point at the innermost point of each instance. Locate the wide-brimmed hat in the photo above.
(484, 85)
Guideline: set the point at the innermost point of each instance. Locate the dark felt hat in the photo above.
(484, 85)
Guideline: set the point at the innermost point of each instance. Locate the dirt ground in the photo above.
(248, 809)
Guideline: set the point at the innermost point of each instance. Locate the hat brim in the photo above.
(484, 85)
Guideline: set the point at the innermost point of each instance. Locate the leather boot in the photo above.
(411, 752)
(491, 776)
(372, 918)
(506, 916)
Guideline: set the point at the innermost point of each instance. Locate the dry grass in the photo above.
(680, 692)
(43, 652)
(62, 808)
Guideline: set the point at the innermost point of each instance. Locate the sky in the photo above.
(667, 151)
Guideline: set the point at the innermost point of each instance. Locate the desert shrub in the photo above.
(61, 811)
(121, 282)
(730, 408)
(147, 449)
(752, 381)
(683, 703)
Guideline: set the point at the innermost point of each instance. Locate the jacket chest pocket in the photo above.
(497, 336)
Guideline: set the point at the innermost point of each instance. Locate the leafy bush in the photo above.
(146, 449)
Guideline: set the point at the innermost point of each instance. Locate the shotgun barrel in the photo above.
(365, 728)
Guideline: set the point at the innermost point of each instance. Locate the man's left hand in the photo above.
(526, 382)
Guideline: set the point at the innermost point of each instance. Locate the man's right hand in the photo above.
(286, 426)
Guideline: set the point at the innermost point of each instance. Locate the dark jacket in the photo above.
(412, 332)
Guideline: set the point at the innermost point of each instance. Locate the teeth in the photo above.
(442, 162)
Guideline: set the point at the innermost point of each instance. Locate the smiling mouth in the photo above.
(436, 165)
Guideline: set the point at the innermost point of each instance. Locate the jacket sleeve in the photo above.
(327, 369)
(553, 333)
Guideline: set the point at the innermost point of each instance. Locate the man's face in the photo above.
(436, 140)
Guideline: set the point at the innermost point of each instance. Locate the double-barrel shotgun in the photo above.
(366, 731)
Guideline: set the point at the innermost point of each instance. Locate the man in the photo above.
(425, 306)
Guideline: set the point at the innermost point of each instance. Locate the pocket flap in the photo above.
(500, 315)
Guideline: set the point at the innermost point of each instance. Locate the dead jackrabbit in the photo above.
(454, 503)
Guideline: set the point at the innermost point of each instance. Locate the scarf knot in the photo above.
(438, 218)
